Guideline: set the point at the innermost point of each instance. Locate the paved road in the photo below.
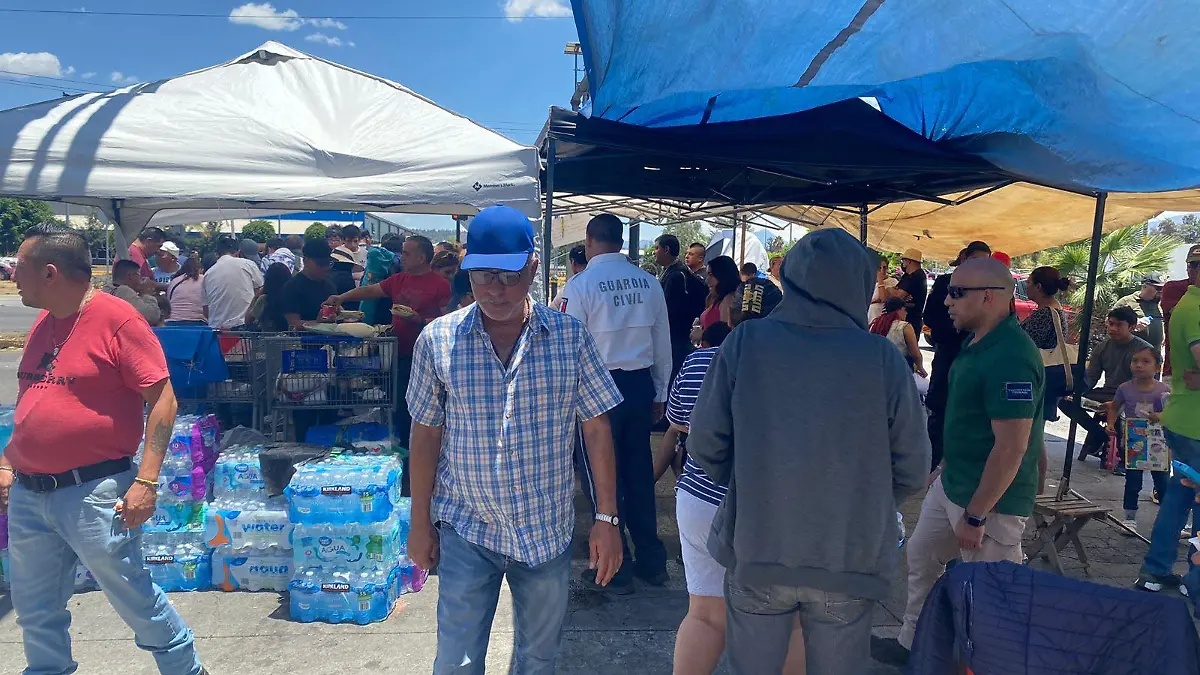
(15, 317)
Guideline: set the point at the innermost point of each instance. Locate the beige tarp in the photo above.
(1016, 219)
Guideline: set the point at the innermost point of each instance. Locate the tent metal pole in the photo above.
(635, 241)
(548, 216)
(745, 226)
(862, 224)
(1085, 332)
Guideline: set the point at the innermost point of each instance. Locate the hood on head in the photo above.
(828, 279)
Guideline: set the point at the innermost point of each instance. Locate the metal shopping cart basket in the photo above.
(228, 378)
(308, 372)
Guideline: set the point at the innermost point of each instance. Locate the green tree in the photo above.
(776, 245)
(315, 231)
(259, 230)
(1187, 228)
(1126, 256)
(16, 217)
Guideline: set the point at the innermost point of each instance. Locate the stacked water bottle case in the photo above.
(173, 545)
(250, 533)
(349, 540)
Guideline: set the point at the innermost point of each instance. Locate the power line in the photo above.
(212, 15)
(55, 79)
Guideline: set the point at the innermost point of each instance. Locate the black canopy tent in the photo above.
(845, 155)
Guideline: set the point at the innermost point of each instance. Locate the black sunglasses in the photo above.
(484, 277)
(958, 292)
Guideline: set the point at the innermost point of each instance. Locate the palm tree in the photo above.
(1126, 256)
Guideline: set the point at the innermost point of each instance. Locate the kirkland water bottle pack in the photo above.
(339, 595)
(344, 489)
(251, 569)
(178, 561)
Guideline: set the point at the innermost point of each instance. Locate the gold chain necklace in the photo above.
(82, 306)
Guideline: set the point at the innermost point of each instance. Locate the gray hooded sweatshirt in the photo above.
(816, 427)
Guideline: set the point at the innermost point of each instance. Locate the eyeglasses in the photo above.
(484, 277)
(958, 292)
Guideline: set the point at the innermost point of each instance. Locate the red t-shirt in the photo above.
(136, 255)
(1172, 293)
(86, 405)
(427, 295)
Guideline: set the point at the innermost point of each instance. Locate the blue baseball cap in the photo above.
(499, 238)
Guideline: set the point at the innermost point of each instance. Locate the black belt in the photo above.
(44, 482)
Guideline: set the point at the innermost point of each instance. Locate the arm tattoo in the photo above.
(160, 439)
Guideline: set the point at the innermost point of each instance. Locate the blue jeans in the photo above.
(1135, 479)
(1177, 502)
(469, 579)
(48, 533)
(758, 627)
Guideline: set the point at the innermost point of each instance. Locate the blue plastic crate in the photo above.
(305, 361)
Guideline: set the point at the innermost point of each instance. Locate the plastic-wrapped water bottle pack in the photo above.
(345, 489)
(178, 561)
(349, 540)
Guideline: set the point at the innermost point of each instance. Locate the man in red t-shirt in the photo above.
(418, 296)
(1172, 293)
(148, 243)
(67, 479)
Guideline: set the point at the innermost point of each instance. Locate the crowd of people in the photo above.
(508, 402)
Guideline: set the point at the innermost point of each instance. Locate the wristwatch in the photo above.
(611, 520)
(974, 521)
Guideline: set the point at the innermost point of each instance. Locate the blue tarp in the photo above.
(1085, 95)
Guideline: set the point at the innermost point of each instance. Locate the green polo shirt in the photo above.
(1000, 377)
(1182, 415)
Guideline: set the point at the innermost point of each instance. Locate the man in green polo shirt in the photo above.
(977, 504)
(1181, 424)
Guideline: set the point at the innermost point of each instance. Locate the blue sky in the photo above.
(500, 70)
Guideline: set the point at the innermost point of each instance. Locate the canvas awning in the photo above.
(272, 130)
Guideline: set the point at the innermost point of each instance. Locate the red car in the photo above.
(1025, 306)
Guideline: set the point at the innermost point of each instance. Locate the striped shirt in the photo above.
(693, 480)
(505, 476)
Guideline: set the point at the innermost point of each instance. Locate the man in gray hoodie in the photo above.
(809, 523)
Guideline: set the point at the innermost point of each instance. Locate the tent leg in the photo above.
(1085, 329)
(862, 224)
(119, 238)
(745, 226)
(635, 241)
(548, 220)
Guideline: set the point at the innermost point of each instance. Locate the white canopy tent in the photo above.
(273, 130)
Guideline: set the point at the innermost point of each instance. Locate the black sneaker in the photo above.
(889, 651)
(1154, 498)
(618, 585)
(1154, 583)
(658, 578)
(1119, 471)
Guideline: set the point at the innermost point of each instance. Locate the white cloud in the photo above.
(324, 39)
(69, 71)
(515, 9)
(118, 77)
(266, 16)
(327, 23)
(88, 75)
(43, 64)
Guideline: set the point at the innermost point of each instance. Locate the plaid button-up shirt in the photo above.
(505, 475)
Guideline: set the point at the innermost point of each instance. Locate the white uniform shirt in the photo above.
(229, 288)
(625, 311)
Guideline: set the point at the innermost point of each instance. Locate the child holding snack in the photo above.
(1143, 397)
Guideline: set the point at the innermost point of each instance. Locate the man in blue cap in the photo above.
(496, 392)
